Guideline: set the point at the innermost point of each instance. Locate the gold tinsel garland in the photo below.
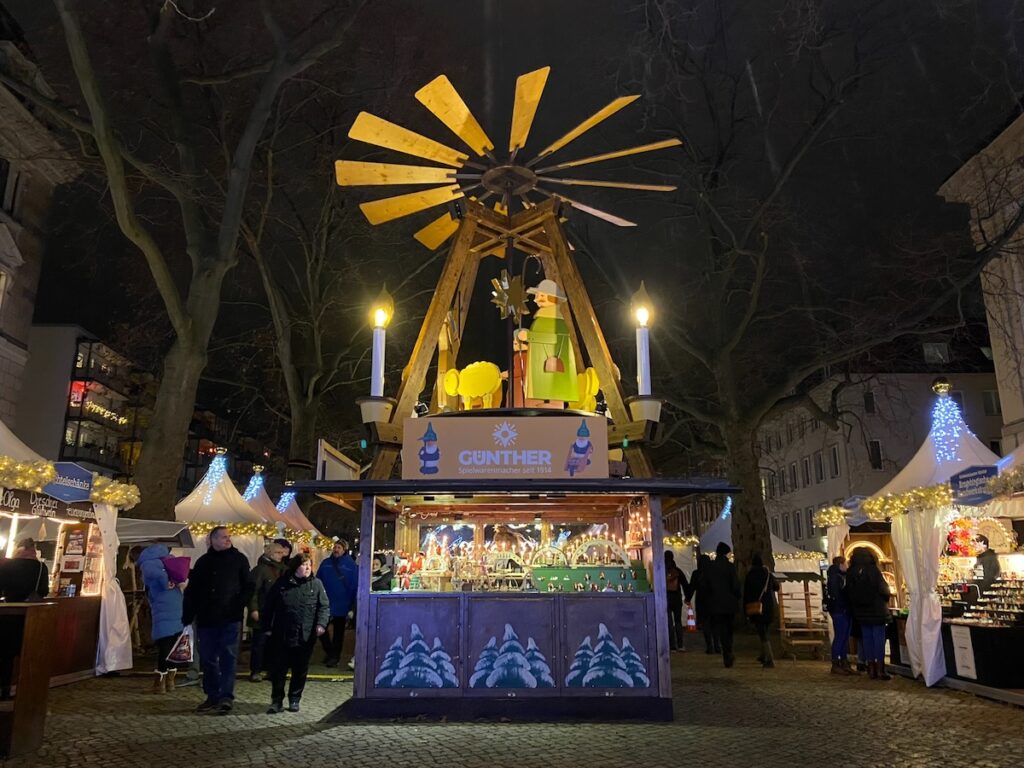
(888, 506)
(680, 541)
(1008, 483)
(830, 516)
(33, 475)
(802, 555)
(266, 530)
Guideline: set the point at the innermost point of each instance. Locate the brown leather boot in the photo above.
(160, 683)
(873, 670)
(169, 680)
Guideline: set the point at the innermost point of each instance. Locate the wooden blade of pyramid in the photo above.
(586, 125)
(353, 173)
(611, 218)
(379, 132)
(612, 155)
(610, 184)
(390, 208)
(529, 88)
(441, 98)
(437, 231)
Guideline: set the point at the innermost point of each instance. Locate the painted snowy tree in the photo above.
(539, 665)
(444, 664)
(580, 664)
(417, 666)
(511, 668)
(389, 665)
(484, 664)
(634, 665)
(607, 669)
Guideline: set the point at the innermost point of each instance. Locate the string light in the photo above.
(917, 499)
(255, 484)
(680, 542)
(1009, 482)
(285, 501)
(948, 427)
(830, 516)
(727, 509)
(33, 475)
(214, 475)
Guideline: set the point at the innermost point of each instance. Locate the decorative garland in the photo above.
(1008, 483)
(266, 530)
(33, 475)
(830, 516)
(681, 541)
(802, 555)
(917, 499)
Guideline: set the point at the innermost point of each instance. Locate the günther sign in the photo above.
(498, 446)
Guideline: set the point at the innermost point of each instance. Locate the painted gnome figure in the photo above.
(551, 361)
(430, 455)
(580, 451)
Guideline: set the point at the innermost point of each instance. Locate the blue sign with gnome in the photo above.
(72, 483)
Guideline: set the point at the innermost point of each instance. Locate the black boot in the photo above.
(277, 705)
(293, 703)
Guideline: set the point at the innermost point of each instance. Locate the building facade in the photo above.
(991, 184)
(32, 166)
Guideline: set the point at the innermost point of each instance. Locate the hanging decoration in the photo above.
(266, 530)
(215, 474)
(680, 542)
(33, 475)
(255, 483)
(916, 499)
(830, 516)
(948, 426)
(960, 539)
(285, 501)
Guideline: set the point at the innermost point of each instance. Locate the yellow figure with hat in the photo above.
(551, 362)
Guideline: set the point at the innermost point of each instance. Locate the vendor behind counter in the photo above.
(986, 567)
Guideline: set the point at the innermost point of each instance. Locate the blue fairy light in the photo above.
(214, 476)
(948, 428)
(285, 501)
(727, 509)
(255, 483)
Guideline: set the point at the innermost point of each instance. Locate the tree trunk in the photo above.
(302, 447)
(750, 534)
(163, 444)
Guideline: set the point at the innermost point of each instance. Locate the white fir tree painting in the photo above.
(417, 665)
(605, 665)
(511, 665)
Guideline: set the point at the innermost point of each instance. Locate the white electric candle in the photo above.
(643, 361)
(377, 364)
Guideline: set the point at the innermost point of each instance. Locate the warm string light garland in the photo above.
(266, 530)
(33, 475)
(802, 555)
(830, 516)
(916, 499)
(680, 542)
(1008, 483)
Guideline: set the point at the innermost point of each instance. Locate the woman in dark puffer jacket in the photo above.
(868, 595)
(295, 615)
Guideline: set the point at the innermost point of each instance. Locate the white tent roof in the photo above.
(297, 518)
(928, 468)
(11, 446)
(220, 504)
(721, 530)
(266, 510)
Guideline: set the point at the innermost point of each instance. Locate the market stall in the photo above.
(77, 511)
(215, 501)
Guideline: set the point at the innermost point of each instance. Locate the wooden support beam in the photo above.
(597, 347)
(426, 342)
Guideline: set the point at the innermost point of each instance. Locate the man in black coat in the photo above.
(723, 600)
(986, 568)
(215, 598)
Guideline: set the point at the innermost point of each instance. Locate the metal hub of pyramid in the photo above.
(509, 180)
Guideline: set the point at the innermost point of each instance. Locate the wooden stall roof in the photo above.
(509, 497)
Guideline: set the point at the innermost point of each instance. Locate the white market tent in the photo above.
(11, 446)
(799, 560)
(920, 535)
(295, 516)
(1008, 506)
(216, 500)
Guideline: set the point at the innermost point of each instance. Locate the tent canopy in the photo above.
(265, 508)
(721, 530)
(11, 446)
(296, 517)
(221, 503)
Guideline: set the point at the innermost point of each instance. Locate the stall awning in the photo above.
(171, 533)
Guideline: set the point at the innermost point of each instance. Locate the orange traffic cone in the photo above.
(691, 620)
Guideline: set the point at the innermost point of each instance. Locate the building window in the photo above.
(875, 453)
(814, 425)
(810, 521)
(936, 352)
(792, 477)
(800, 429)
(805, 463)
(996, 446)
(789, 432)
(869, 402)
(797, 532)
(775, 525)
(819, 467)
(771, 486)
(990, 401)
(782, 483)
(785, 526)
(8, 186)
(833, 461)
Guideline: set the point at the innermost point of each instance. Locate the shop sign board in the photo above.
(13, 501)
(500, 446)
(72, 483)
(970, 486)
(963, 651)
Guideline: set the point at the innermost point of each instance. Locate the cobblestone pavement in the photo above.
(796, 714)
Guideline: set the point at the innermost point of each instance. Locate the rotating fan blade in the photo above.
(390, 208)
(437, 231)
(529, 88)
(352, 173)
(441, 98)
(612, 155)
(611, 218)
(379, 132)
(586, 125)
(610, 184)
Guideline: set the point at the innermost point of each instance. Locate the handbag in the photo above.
(182, 652)
(757, 609)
